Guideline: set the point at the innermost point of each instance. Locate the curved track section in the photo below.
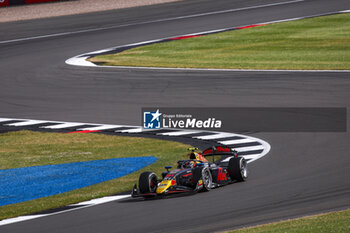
(82, 60)
(250, 148)
(305, 173)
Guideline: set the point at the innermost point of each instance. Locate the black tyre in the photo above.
(207, 179)
(237, 169)
(203, 174)
(148, 182)
(197, 175)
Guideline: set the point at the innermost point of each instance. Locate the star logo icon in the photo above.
(156, 115)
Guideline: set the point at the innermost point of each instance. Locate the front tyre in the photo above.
(237, 169)
(148, 182)
(205, 176)
(207, 179)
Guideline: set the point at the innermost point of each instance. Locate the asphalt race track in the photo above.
(304, 173)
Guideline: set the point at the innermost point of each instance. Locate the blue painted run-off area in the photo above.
(28, 183)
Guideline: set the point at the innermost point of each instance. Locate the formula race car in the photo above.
(195, 174)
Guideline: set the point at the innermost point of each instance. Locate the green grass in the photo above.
(27, 148)
(321, 43)
(335, 222)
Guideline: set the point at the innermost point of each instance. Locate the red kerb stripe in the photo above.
(184, 37)
(86, 131)
(250, 26)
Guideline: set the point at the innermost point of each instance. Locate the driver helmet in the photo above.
(189, 164)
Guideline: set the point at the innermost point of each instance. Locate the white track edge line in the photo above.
(20, 219)
(30, 217)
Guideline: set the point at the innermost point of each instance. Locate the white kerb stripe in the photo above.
(79, 61)
(102, 127)
(216, 136)
(6, 119)
(249, 148)
(137, 130)
(179, 133)
(251, 156)
(237, 141)
(29, 122)
(62, 125)
(244, 156)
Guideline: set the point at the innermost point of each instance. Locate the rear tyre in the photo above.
(237, 169)
(148, 182)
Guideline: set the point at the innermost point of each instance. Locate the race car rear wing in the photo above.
(219, 151)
